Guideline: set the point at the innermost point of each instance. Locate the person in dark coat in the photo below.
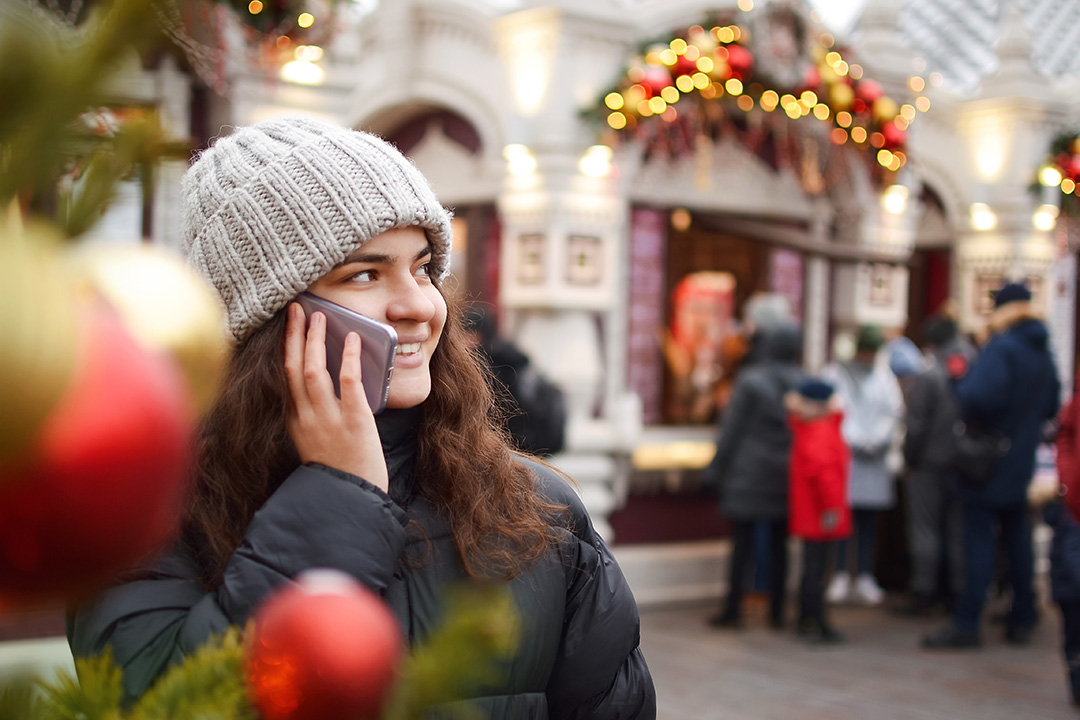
(534, 408)
(750, 467)
(1013, 388)
(935, 519)
(289, 477)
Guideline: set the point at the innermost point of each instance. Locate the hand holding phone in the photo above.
(378, 343)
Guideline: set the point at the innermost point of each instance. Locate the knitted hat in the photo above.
(939, 330)
(1013, 292)
(816, 390)
(869, 337)
(271, 208)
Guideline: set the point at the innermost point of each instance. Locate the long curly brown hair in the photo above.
(465, 464)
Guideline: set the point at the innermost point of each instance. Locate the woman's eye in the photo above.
(364, 276)
(424, 270)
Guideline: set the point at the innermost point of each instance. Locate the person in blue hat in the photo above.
(1012, 388)
(818, 509)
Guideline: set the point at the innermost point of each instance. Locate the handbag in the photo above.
(977, 450)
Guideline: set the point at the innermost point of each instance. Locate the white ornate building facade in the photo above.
(581, 242)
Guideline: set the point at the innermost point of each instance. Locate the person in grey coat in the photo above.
(750, 467)
(872, 408)
(291, 476)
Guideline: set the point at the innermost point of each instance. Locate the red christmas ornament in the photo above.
(99, 489)
(684, 66)
(324, 648)
(868, 91)
(741, 61)
(895, 137)
(1072, 170)
(656, 79)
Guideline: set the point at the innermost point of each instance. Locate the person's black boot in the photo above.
(917, 606)
(725, 621)
(1019, 634)
(818, 632)
(952, 638)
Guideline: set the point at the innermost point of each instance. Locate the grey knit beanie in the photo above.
(271, 208)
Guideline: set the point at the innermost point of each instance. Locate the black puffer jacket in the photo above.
(750, 466)
(578, 655)
(932, 412)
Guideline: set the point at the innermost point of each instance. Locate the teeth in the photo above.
(408, 348)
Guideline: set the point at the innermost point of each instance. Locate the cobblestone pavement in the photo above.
(880, 673)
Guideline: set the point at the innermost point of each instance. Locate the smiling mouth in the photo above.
(407, 348)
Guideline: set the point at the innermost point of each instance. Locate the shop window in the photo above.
(702, 318)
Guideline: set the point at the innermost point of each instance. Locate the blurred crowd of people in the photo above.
(820, 458)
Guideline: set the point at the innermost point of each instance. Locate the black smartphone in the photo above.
(378, 342)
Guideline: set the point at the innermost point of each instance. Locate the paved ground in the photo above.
(879, 674)
(760, 674)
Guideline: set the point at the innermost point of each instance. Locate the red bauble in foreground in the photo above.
(324, 648)
(100, 486)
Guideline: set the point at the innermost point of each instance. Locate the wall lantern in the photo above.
(519, 160)
(1045, 217)
(982, 217)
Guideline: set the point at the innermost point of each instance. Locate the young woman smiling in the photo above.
(289, 476)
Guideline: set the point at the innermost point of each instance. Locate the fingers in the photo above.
(305, 363)
(317, 382)
(354, 400)
(295, 336)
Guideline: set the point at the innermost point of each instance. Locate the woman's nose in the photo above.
(408, 301)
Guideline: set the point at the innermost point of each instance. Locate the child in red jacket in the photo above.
(818, 509)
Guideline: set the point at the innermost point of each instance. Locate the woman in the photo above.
(289, 477)
(873, 405)
(751, 467)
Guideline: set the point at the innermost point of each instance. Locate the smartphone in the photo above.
(378, 343)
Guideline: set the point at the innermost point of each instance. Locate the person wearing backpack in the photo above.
(533, 406)
(1012, 388)
(935, 520)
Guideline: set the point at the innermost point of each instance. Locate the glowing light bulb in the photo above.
(1050, 176)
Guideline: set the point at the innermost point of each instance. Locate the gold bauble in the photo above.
(885, 109)
(37, 324)
(840, 96)
(165, 305)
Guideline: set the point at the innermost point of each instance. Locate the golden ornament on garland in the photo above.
(166, 306)
(37, 322)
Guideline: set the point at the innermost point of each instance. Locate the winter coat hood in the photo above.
(806, 409)
(782, 344)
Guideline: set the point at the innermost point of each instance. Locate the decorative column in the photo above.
(564, 220)
(818, 280)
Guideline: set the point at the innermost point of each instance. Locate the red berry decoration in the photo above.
(99, 487)
(323, 648)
